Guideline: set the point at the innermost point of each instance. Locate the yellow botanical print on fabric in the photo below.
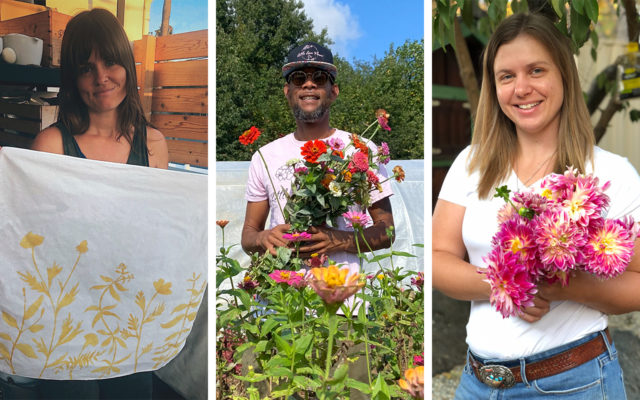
(187, 312)
(108, 338)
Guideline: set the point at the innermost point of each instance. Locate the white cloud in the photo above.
(343, 27)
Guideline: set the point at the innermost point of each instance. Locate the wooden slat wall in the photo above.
(177, 84)
(20, 123)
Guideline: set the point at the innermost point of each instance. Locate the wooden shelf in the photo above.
(11, 74)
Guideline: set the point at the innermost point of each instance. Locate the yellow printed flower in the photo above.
(334, 285)
(31, 240)
(162, 287)
(82, 247)
(413, 382)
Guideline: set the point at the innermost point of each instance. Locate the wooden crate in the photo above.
(20, 123)
(13, 9)
(47, 25)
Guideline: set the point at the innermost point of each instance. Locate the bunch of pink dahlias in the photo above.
(543, 237)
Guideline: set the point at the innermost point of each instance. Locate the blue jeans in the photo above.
(597, 379)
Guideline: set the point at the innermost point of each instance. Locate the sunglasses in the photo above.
(319, 78)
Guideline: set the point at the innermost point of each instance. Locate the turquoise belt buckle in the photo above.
(496, 376)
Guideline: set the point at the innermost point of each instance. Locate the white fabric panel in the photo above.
(102, 265)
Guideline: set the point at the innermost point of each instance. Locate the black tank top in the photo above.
(138, 155)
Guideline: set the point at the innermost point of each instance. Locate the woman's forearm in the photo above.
(457, 278)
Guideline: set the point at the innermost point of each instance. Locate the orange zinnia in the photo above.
(334, 285)
(249, 136)
(312, 150)
(413, 382)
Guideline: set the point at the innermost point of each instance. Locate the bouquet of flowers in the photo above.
(332, 176)
(545, 236)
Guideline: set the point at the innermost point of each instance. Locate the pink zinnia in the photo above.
(297, 236)
(300, 170)
(316, 260)
(418, 281)
(336, 144)
(511, 285)
(418, 360)
(372, 178)
(291, 278)
(360, 162)
(281, 275)
(609, 248)
(559, 239)
(356, 219)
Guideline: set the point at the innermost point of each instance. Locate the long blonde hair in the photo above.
(494, 135)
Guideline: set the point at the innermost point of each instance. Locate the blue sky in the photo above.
(360, 29)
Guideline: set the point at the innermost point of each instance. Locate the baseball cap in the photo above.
(310, 54)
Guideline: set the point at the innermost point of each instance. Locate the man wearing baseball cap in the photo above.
(310, 89)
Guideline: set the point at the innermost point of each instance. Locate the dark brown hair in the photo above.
(494, 135)
(98, 30)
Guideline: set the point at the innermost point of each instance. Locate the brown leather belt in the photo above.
(499, 376)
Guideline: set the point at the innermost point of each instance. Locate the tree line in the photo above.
(252, 42)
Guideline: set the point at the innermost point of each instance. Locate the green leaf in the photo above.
(558, 7)
(381, 390)
(592, 10)
(304, 382)
(282, 344)
(339, 374)
(579, 28)
(261, 346)
(279, 371)
(361, 386)
(402, 254)
(379, 257)
(268, 326)
(466, 9)
(578, 6)
(634, 115)
(302, 344)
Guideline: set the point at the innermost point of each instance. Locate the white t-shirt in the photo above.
(276, 154)
(488, 334)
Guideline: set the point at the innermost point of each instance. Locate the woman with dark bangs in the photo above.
(101, 116)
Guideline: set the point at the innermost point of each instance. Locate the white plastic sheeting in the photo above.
(407, 203)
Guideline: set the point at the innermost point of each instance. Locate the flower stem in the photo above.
(275, 192)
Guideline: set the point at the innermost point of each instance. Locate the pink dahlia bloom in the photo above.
(587, 201)
(609, 248)
(517, 236)
(559, 239)
(511, 285)
(356, 219)
(527, 199)
(360, 162)
(296, 236)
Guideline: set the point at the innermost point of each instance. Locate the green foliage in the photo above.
(395, 83)
(299, 343)
(574, 18)
(253, 39)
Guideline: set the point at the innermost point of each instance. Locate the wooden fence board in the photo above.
(181, 126)
(182, 45)
(181, 73)
(183, 100)
(185, 152)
